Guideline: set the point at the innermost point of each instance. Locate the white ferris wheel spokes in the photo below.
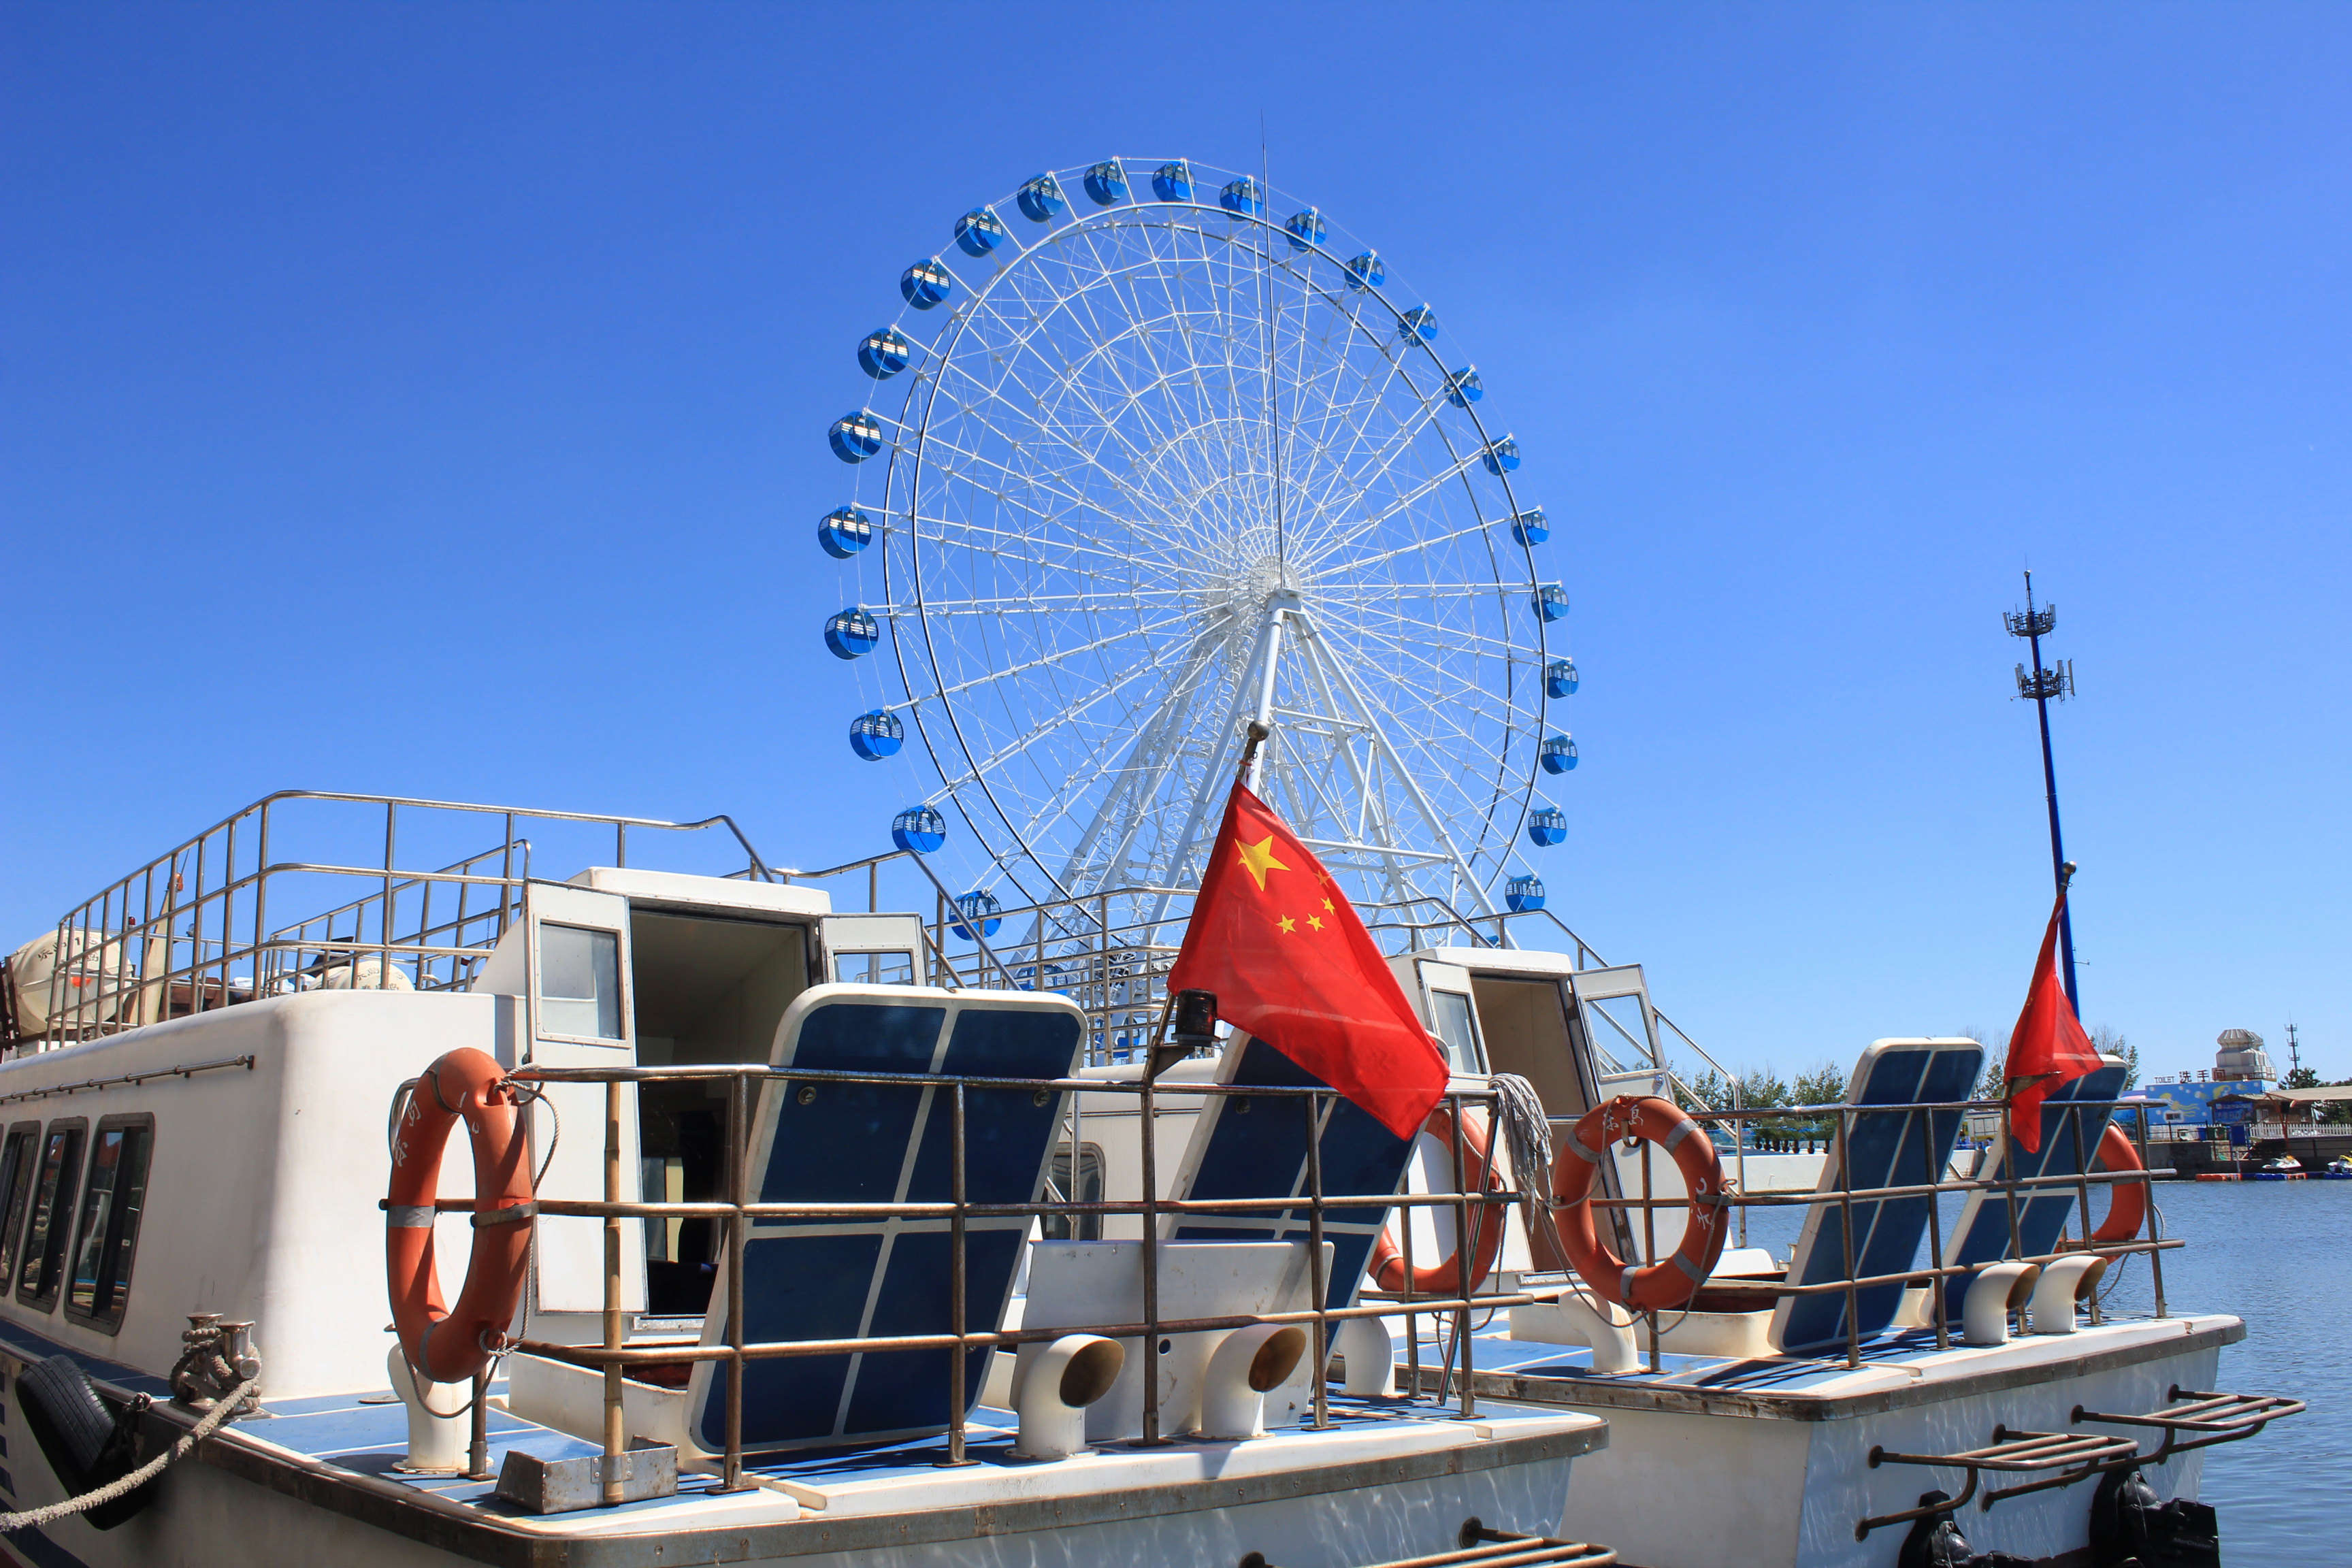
(1146, 461)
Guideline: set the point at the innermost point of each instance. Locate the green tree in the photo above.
(2301, 1078)
(1761, 1088)
(1824, 1084)
(2111, 1044)
(1712, 1091)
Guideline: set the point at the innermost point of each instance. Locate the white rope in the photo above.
(1527, 1132)
(221, 1411)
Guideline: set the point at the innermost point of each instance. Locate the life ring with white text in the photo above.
(1674, 1281)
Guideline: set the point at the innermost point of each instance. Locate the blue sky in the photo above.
(431, 399)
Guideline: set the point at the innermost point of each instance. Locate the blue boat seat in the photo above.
(1245, 1147)
(1897, 1146)
(1983, 1234)
(819, 1141)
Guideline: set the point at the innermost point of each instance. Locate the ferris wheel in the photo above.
(1149, 454)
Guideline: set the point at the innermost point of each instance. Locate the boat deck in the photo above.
(343, 1451)
(1898, 1367)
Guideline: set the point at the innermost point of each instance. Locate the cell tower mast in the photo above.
(2041, 684)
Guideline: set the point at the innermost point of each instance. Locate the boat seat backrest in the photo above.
(1984, 1234)
(1246, 1148)
(816, 1140)
(1890, 1143)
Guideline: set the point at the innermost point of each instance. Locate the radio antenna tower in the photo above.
(2042, 683)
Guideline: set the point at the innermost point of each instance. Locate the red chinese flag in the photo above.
(1275, 939)
(2048, 1046)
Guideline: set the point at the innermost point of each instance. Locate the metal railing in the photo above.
(736, 1213)
(1452, 1381)
(2006, 1185)
(205, 924)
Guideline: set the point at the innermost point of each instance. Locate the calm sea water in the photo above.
(2279, 1254)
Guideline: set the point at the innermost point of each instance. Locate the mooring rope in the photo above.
(221, 1411)
(1527, 1132)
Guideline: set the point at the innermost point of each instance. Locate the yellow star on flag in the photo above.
(1258, 858)
(1328, 908)
(1289, 924)
(1315, 920)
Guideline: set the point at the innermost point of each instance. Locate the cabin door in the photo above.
(1612, 1007)
(569, 963)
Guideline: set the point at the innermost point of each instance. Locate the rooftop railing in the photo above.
(308, 888)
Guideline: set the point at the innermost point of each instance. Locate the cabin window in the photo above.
(579, 983)
(1458, 1027)
(1081, 1185)
(896, 967)
(16, 1191)
(45, 1238)
(113, 1197)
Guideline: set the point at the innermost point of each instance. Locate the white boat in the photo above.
(194, 1182)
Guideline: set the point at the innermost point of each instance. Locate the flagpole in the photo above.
(2041, 684)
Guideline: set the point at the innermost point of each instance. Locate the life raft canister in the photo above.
(1387, 1264)
(2127, 1205)
(449, 1345)
(1657, 1286)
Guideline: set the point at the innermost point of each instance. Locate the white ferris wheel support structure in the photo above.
(1165, 458)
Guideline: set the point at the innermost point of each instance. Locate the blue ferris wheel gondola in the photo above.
(1173, 182)
(925, 283)
(856, 435)
(1307, 229)
(1531, 527)
(1420, 322)
(876, 735)
(1557, 753)
(1106, 182)
(1551, 601)
(1242, 196)
(885, 352)
(978, 907)
(1523, 895)
(920, 828)
(844, 531)
(1547, 826)
(1559, 678)
(1464, 388)
(1042, 198)
(1367, 271)
(980, 231)
(851, 633)
(1503, 456)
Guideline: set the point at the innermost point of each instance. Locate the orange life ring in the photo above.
(443, 1344)
(2127, 1201)
(1657, 1286)
(1387, 1265)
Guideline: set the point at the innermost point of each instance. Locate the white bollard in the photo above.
(1613, 1347)
(2063, 1283)
(1244, 1365)
(1364, 1344)
(437, 1443)
(1996, 1290)
(1064, 1379)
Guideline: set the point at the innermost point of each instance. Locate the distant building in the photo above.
(2241, 1068)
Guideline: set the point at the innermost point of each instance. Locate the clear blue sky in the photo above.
(431, 399)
